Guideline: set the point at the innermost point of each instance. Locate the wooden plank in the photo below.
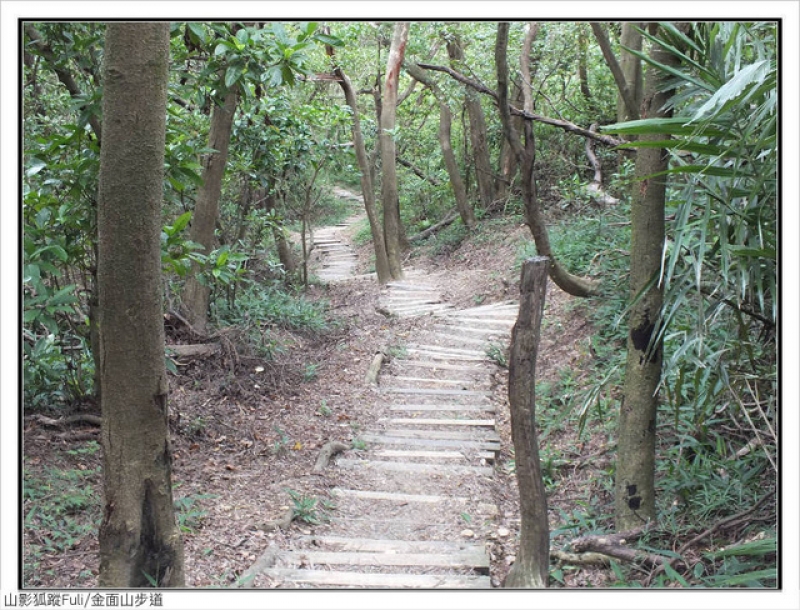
(436, 391)
(492, 445)
(476, 322)
(449, 350)
(437, 455)
(392, 497)
(462, 382)
(489, 423)
(475, 434)
(440, 365)
(463, 559)
(375, 545)
(392, 581)
(444, 407)
(415, 467)
(434, 355)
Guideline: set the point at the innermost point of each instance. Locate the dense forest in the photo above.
(176, 174)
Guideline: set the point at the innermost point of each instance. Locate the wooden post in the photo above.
(531, 569)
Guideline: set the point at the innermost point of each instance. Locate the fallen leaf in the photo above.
(297, 446)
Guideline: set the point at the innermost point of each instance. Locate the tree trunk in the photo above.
(477, 131)
(140, 544)
(631, 68)
(195, 295)
(284, 248)
(583, 74)
(367, 190)
(532, 567)
(635, 474)
(445, 142)
(389, 192)
(526, 156)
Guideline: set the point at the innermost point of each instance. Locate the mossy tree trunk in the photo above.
(140, 544)
(392, 225)
(635, 471)
(195, 297)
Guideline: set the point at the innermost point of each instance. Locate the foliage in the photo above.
(61, 509)
(309, 509)
(188, 514)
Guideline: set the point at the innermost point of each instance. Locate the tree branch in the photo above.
(528, 116)
(616, 70)
(64, 75)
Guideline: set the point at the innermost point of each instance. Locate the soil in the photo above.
(247, 431)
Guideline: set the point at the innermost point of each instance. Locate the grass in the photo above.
(61, 509)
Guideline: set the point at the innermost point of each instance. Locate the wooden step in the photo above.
(439, 365)
(391, 581)
(394, 497)
(462, 559)
(443, 407)
(436, 391)
(448, 469)
(492, 445)
(474, 434)
(420, 421)
(397, 546)
(435, 455)
(435, 381)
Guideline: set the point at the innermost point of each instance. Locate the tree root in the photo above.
(328, 450)
(279, 523)
(267, 560)
(375, 368)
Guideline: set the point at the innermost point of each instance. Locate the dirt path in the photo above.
(414, 504)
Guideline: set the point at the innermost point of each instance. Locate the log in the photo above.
(448, 219)
(197, 350)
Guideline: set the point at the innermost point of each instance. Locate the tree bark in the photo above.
(631, 68)
(195, 295)
(389, 191)
(635, 473)
(623, 85)
(477, 130)
(445, 142)
(531, 569)
(284, 248)
(367, 188)
(526, 156)
(140, 544)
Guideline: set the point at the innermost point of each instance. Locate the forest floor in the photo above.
(247, 431)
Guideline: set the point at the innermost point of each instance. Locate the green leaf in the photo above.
(181, 222)
(232, 74)
(328, 39)
(35, 167)
(198, 30)
(676, 126)
(243, 36)
(753, 74)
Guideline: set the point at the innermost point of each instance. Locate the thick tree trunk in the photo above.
(526, 156)
(635, 473)
(367, 182)
(477, 130)
(389, 191)
(195, 295)
(140, 544)
(531, 569)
